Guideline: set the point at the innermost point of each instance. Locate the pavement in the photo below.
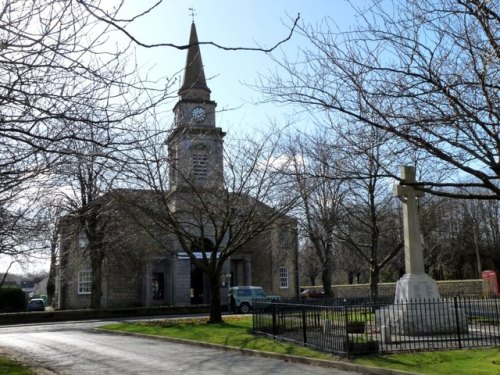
(341, 365)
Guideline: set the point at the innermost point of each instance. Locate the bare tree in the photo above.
(461, 237)
(347, 206)
(310, 265)
(215, 216)
(21, 227)
(83, 176)
(53, 60)
(370, 226)
(426, 72)
(314, 169)
(60, 77)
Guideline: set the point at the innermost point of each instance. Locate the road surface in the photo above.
(74, 348)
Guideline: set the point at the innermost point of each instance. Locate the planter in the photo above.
(368, 347)
(356, 327)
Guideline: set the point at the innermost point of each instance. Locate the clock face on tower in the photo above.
(199, 114)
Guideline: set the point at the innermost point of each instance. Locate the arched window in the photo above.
(200, 162)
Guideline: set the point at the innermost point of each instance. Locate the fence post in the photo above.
(304, 324)
(273, 310)
(495, 300)
(458, 322)
(346, 318)
(254, 321)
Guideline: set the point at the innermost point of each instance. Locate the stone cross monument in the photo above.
(418, 308)
(414, 259)
(415, 284)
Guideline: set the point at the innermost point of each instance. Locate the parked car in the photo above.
(242, 298)
(36, 304)
(312, 293)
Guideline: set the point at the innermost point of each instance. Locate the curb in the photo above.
(284, 357)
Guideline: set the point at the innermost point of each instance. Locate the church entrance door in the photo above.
(200, 291)
(197, 290)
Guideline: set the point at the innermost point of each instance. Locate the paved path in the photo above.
(74, 348)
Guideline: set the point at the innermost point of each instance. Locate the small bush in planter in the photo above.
(356, 326)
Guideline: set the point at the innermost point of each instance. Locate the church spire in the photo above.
(194, 75)
(195, 145)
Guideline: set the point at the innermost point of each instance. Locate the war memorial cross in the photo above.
(414, 259)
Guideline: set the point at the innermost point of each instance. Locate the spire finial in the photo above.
(193, 13)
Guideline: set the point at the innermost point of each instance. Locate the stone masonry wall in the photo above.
(447, 287)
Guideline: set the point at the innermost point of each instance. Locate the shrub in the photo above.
(12, 299)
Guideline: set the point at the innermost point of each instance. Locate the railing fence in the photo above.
(360, 327)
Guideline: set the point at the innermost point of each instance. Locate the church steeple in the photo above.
(194, 75)
(195, 145)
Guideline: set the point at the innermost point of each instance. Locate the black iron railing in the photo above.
(359, 327)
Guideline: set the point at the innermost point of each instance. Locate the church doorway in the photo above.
(197, 284)
(200, 290)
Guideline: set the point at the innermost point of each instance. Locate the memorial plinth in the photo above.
(416, 287)
(418, 308)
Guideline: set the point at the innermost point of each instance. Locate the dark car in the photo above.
(312, 293)
(36, 304)
(242, 298)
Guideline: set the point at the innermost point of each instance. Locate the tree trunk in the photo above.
(5, 274)
(51, 282)
(374, 278)
(326, 278)
(326, 273)
(96, 267)
(215, 305)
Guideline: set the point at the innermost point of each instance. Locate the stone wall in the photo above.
(446, 287)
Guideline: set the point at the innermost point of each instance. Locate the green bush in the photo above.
(12, 299)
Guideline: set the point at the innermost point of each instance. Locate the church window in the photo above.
(283, 237)
(200, 162)
(283, 278)
(85, 282)
(158, 286)
(83, 242)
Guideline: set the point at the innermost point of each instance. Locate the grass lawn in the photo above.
(454, 362)
(13, 368)
(235, 332)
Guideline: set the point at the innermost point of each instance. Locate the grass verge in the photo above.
(453, 362)
(236, 332)
(10, 367)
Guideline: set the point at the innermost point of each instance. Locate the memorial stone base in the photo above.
(419, 310)
(416, 286)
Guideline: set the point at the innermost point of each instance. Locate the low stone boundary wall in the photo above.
(446, 287)
(64, 315)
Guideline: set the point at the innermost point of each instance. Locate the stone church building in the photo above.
(139, 270)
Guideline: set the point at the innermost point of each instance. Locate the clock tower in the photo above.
(195, 148)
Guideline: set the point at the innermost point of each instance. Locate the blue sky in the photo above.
(232, 23)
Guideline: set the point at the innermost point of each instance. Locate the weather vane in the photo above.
(192, 14)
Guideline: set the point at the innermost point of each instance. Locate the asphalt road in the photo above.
(75, 348)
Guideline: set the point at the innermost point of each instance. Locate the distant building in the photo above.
(28, 286)
(141, 271)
